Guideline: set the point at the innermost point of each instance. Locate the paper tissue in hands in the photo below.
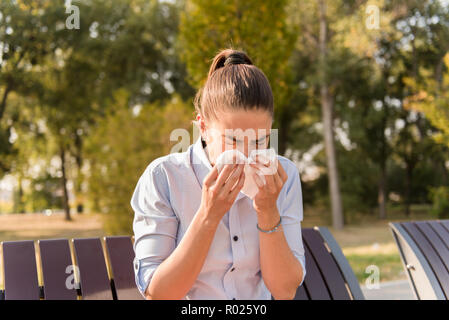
(266, 156)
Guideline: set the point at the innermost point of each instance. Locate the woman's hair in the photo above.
(233, 83)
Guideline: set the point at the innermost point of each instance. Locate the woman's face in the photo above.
(244, 130)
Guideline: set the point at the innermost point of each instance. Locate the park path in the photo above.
(391, 290)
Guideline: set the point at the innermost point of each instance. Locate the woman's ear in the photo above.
(201, 125)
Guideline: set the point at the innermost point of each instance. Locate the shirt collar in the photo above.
(201, 164)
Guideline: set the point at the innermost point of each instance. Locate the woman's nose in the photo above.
(246, 150)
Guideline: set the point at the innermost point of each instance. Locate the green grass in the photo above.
(390, 266)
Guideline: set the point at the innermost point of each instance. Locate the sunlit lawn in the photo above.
(367, 241)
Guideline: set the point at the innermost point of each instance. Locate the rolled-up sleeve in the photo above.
(155, 224)
(292, 215)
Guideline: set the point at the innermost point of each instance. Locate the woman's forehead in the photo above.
(243, 120)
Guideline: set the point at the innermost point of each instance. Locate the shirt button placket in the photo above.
(235, 253)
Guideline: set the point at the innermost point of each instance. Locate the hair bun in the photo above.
(237, 58)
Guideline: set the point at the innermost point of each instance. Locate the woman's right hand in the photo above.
(221, 190)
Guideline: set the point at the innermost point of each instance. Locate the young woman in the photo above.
(196, 235)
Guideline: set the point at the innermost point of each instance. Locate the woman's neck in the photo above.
(206, 151)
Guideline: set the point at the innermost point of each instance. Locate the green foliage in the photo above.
(121, 146)
(62, 79)
(44, 194)
(432, 98)
(440, 201)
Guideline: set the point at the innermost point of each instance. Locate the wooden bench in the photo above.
(106, 269)
(424, 250)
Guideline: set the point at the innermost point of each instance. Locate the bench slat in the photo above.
(20, 271)
(314, 282)
(326, 263)
(440, 248)
(430, 254)
(301, 293)
(445, 223)
(95, 284)
(442, 232)
(57, 267)
(121, 257)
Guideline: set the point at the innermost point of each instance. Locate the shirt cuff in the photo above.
(302, 260)
(144, 272)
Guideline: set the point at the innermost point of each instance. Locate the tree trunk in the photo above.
(382, 196)
(64, 185)
(444, 171)
(331, 157)
(79, 178)
(4, 98)
(408, 189)
(327, 106)
(20, 204)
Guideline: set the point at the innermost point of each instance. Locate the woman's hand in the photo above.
(266, 198)
(221, 190)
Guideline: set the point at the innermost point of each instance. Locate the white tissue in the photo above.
(250, 187)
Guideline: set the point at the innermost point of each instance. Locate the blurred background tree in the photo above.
(117, 160)
(361, 108)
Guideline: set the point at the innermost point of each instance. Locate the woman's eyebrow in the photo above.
(234, 138)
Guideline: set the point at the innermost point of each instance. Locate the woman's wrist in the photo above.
(266, 210)
(207, 220)
(268, 220)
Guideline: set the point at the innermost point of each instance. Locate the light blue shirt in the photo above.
(165, 200)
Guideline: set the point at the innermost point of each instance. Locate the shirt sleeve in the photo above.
(155, 224)
(292, 215)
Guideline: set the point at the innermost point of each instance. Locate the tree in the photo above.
(70, 73)
(327, 36)
(116, 160)
(258, 28)
(424, 84)
(26, 35)
(432, 98)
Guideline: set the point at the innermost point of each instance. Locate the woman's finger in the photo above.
(270, 183)
(262, 160)
(257, 165)
(278, 180)
(211, 177)
(237, 181)
(264, 165)
(238, 186)
(224, 174)
(232, 180)
(258, 180)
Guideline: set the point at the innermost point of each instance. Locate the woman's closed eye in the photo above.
(234, 142)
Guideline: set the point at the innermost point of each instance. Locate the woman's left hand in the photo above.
(265, 200)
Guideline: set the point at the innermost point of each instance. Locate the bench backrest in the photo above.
(424, 250)
(20, 270)
(328, 274)
(92, 269)
(68, 273)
